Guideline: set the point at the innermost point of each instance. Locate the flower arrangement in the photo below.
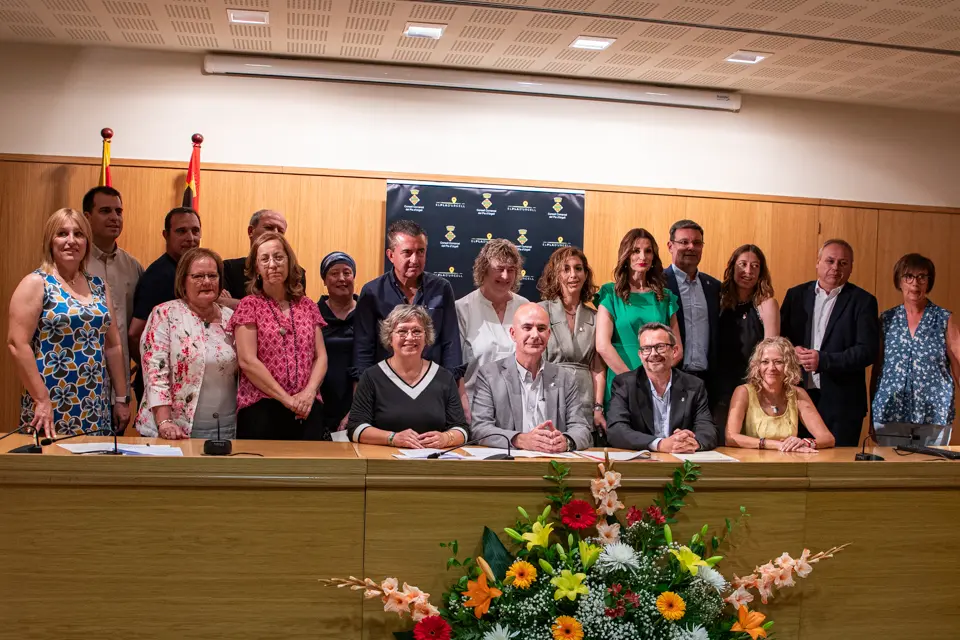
(580, 572)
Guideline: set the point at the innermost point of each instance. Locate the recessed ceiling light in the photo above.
(242, 16)
(422, 30)
(748, 57)
(592, 44)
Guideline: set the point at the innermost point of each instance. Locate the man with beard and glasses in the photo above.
(534, 403)
(658, 408)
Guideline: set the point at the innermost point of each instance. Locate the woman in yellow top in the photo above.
(766, 411)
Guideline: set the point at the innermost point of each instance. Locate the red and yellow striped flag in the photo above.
(105, 159)
(191, 192)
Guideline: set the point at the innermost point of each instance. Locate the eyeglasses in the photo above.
(920, 278)
(277, 258)
(689, 243)
(200, 277)
(661, 349)
(416, 334)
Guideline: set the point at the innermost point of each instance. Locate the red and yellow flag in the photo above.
(191, 193)
(105, 159)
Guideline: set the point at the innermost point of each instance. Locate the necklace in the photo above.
(283, 337)
(72, 281)
(774, 406)
(208, 318)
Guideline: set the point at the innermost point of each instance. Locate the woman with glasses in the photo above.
(406, 401)
(189, 361)
(280, 348)
(919, 362)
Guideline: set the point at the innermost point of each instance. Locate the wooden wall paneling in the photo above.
(609, 216)
(859, 228)
(148, 194)
(792, 249)
(340, 214)
(925, 233)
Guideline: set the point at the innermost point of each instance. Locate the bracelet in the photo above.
(163, 422)
(810, 442)
(763, 442)
(390, 439)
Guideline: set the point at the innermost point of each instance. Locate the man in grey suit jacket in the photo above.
(534, 403)
(658, 408)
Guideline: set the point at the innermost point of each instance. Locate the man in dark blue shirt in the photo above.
(406, 283)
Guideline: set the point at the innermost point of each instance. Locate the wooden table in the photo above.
(199, 547)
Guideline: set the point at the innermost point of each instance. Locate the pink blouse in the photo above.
(288, 355)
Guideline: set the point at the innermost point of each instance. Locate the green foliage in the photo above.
(403, 635)
(673, 494)
(563, 493)
(496, 554)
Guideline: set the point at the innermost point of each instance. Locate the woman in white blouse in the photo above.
(485, 314)
(189, 360)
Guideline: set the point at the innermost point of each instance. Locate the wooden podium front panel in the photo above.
(131, 547)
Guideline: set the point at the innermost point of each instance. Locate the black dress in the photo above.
(337, 387)
(740, 330)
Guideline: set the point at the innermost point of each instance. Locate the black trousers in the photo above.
(268, 419)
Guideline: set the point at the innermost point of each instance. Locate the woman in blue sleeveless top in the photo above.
(920, 354)
(62, 337)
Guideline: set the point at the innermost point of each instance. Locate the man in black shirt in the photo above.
(181, 231)
(234, 279)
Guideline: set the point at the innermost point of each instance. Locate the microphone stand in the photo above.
(499, 456)
(26, 448)
(217, 447)
(46, 442)
(863, 456)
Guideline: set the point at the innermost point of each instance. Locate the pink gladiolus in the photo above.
(740, 597)
(746, 582)
(784, 578)
(423, 609)
(388, 586)
(610, 504)
(414, 594)
(801, 566)
(608, 533)
(397, 602)
(785, 561)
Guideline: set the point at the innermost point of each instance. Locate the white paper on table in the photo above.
(422, 454)
(618, 456)
(129, 449)
(482, 453)
(705, 456)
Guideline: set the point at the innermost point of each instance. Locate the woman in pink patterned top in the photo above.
(280, 348)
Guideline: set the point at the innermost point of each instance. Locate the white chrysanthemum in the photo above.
(499, 633)
(712, 577)
(618, 556)
(696, 633)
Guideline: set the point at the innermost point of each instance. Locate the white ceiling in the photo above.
(665, 42)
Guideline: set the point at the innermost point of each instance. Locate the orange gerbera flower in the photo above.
(523, 574)
(750, 622)
(480, 595)
(671, 606)
(567, 628)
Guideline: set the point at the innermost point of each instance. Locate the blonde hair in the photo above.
(502, 251)
(186, 261)
(293, 286)
(405, 313)
(50, 228)
(792, 373)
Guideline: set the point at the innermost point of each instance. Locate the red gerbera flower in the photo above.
(578, 515)
(634, 516)
(432, 628)
(656, 515)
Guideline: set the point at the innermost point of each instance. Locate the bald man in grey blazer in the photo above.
(534, 403)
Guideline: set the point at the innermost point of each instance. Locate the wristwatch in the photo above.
(597, 406)
(122, 399)
(571, 445)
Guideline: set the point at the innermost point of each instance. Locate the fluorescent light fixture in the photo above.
(242, 16)
(422, 30)
(470, 80)
(748, 57)
(592, 44)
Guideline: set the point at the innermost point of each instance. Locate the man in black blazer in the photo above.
(835, 328)
(658, 408)
(699, 295)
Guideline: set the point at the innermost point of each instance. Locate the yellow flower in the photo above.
(689, 561)
(523, 574)
(671, 606)
(567, 628)
(589, 553)
(569, 585)
(539, 537)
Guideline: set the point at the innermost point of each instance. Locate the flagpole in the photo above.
(105, 133)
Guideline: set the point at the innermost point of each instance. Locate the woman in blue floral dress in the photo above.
(61, 337)
(920, 361)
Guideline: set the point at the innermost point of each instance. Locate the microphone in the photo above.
(46, 442)
(26, 448)
(217, 447)
(499, 456)
(863, 456)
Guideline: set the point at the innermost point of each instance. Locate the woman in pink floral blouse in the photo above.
(189, 362)
(280, 348)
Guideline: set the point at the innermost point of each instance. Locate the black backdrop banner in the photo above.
(460, 218)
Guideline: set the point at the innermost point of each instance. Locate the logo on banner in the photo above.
(525, 206)
(524, 277)
(558, 243)
(450, 236)
(413, 200)
(482, 240)
(523, 240)
(487, 203)
(413, 196)
(451, 272)
(557, 208)
(452, 204)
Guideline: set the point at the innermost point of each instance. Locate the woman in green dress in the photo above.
(637, 295)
